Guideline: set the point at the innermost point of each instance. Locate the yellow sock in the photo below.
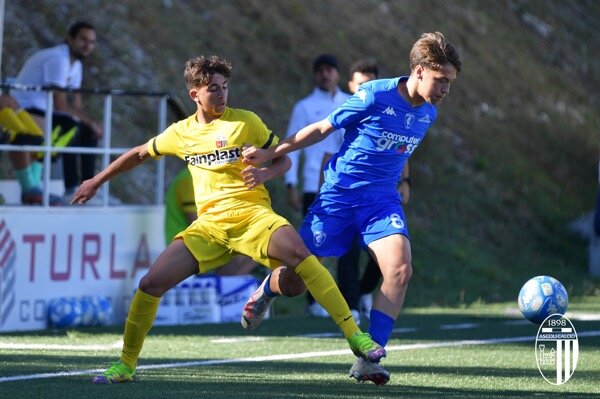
(139, 320)
(30, 125)
(321, 285)
(11, 121)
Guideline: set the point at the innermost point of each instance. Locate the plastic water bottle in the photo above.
(209, 294)
(196, 294)
(168, 298)
(182, 294)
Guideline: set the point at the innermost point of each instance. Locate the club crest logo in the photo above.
(319, 238)
(221, 142)
(396, 221)
(408, 120)
(556, 349)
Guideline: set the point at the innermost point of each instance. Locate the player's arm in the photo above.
(254, 176)
(307, 136)
(125, 162)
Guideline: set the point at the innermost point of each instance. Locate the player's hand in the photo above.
(87, 191)
(254, 176)
(256, 156)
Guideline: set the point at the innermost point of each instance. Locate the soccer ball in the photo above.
(65, 313)
(88, 309)
(541, 297)
(103, 311)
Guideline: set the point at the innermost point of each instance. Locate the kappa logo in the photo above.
(319, 238)
(8, 273)
(425, 119)
(556, 349)
(389, 111)
(408, 120)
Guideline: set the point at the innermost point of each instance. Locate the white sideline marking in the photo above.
(461, 326)
(237, 339)
(338, 334)
(572, 315)
(15, 346)
(304, 355)
(516, 322)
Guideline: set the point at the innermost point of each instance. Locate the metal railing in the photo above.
(106, 151)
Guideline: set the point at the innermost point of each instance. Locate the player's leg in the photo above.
(287, 246)
(175, 264)
(393, 255)
(282, 244)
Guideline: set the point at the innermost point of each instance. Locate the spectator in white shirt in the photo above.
(61, 66)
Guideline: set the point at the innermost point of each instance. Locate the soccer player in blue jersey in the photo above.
(384, 122)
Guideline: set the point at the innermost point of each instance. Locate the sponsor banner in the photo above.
(71, 252)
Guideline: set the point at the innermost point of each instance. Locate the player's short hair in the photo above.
(433, 51)
(200, 70)
(77, 26)
(366, 65)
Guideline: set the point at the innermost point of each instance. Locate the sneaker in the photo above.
(35, 197)
(116, 373)
(363, 346)
(316, 310)
(256, 307)
(365, 303)
(363, 370)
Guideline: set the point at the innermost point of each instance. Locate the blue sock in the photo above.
(381, 327)
(26, 179)
(267, 288)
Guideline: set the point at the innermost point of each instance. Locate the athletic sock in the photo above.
(30, 125)
(321, 285)
(11, 121)
(139, 320)
(26, 178)
(37, 169)
(381, 327)
(267, 287)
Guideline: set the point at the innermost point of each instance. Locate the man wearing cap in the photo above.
(324, 98)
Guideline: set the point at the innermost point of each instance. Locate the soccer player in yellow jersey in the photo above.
(234, 216)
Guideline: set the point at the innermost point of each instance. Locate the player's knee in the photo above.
(151, 287)
(400, 274)
(299, 254)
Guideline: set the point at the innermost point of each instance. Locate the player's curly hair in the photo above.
(433, 51)
(200, 70)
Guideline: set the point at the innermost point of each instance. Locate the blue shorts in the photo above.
(331, 225)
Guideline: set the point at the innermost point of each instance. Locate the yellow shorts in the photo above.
(215, 237)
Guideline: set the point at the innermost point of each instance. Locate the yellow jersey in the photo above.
(213, 152)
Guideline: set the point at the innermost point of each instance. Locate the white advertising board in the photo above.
(72, 251)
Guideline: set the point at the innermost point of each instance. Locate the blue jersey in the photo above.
(381, 131)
